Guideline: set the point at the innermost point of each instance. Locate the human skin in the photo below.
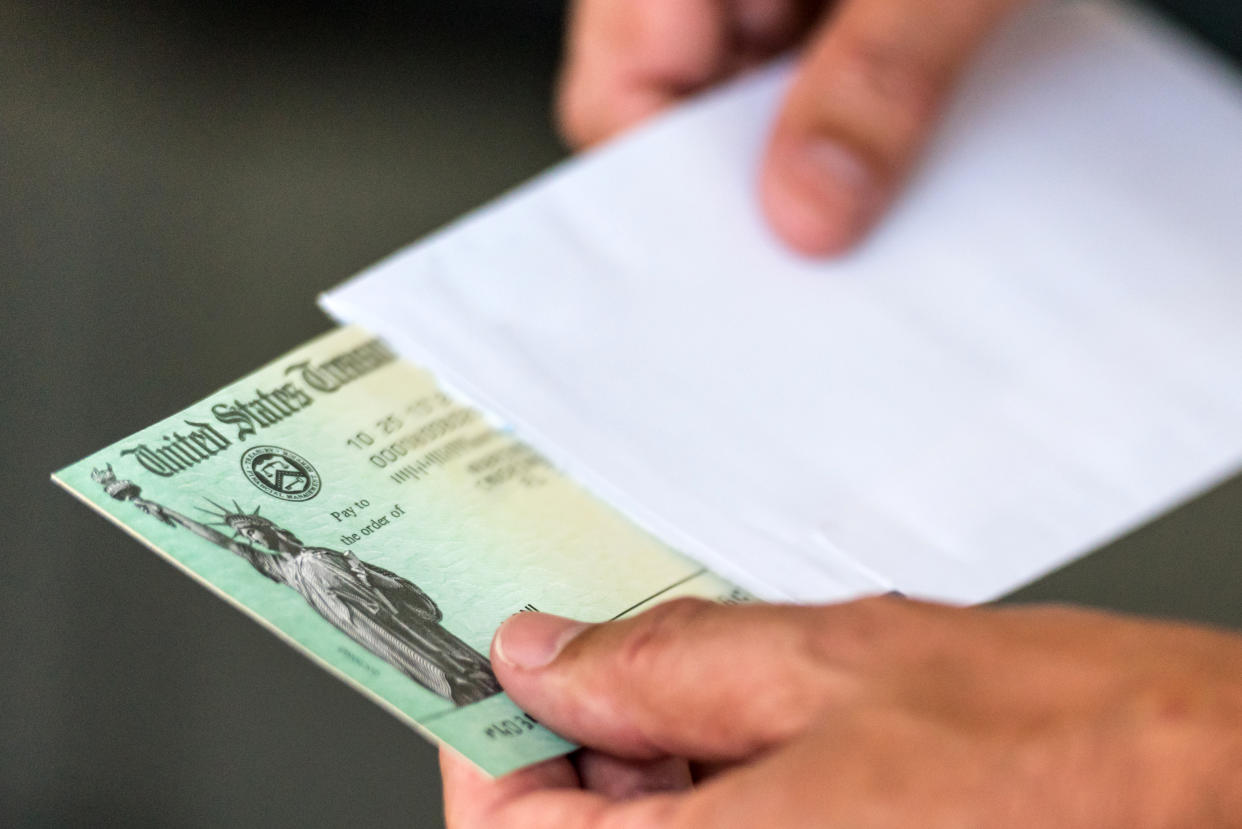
(871, 78)
(881, 712)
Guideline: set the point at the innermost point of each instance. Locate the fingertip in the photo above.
(586, 118)
(529, 641)
(453, 766)
(465, 786)
(819, 195)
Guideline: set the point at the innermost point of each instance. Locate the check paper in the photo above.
(339, 497)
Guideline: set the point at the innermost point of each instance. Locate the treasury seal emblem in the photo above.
(281, 473)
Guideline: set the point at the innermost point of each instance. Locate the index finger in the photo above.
(542, 795)
(627, 59)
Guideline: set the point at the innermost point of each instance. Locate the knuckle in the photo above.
(1167, 702)
(849, 633)
(1053, 619)
(904, 82)
(871, 615)
(659, 633)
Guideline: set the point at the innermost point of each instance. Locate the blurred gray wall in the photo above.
(177, 182)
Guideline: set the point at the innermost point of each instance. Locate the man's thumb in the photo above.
(687, 678)
(867, 94)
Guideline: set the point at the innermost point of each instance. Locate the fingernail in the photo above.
(819, 194)
(532, 640)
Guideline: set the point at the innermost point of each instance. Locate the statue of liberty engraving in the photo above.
(380, 610)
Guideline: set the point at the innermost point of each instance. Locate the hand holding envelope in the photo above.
(871, 82)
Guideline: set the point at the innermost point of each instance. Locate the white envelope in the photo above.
(1040, 349)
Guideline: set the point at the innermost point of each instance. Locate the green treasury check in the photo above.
(344, 501)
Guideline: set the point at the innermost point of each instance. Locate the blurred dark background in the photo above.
(177, 183)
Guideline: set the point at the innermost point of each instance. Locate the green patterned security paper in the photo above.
(340, 498)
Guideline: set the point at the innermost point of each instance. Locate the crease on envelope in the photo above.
(1038, 350)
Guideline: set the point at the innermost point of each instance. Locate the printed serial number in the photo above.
(511, 726)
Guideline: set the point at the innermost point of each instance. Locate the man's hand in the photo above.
(877, 713)
(870, 83)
